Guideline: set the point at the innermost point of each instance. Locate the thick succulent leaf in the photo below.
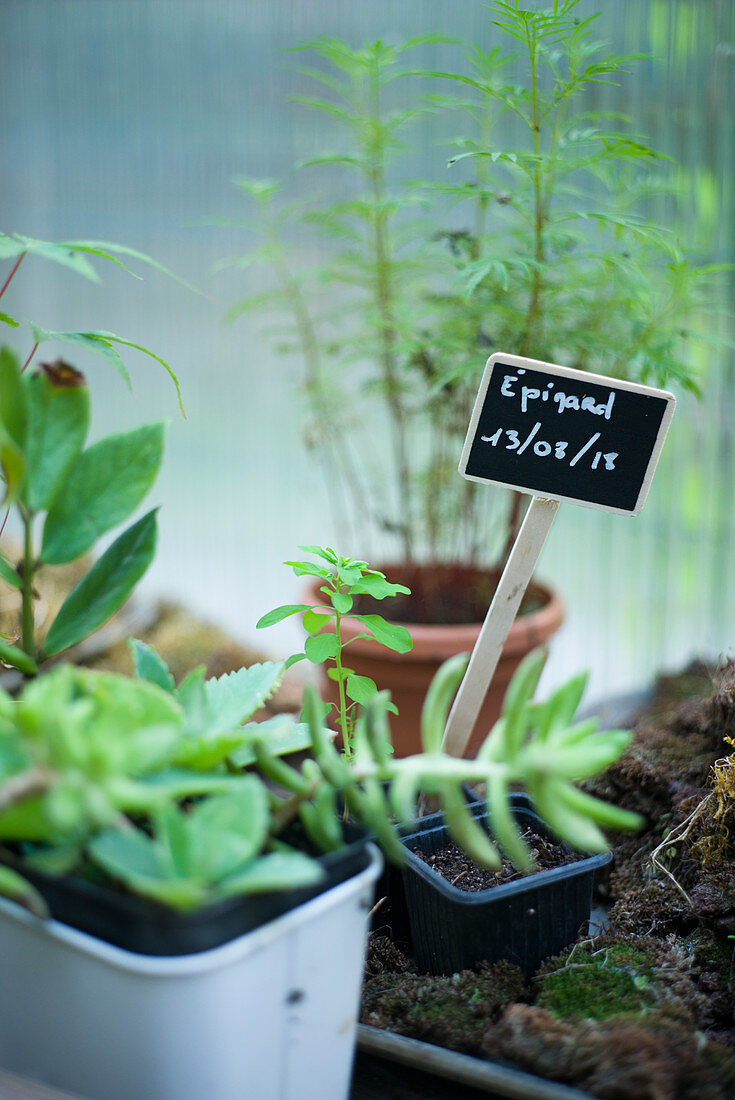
(229, 830)
(518, 698)
(206, 753)
(105, 587)
(15, 887)
(438, 701)
(282, 734)
(469, 835)
(58, 419)
(234, 697)
(150, 666)
(175, 842)
(272, 872)
(104, 485)
(133, 857)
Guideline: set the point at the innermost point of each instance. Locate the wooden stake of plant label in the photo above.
(560, 435)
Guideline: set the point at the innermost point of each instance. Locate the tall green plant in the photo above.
(556, 257)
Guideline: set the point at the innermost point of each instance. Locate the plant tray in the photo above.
(462, 1069)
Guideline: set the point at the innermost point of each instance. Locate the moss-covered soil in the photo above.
(645, 1010)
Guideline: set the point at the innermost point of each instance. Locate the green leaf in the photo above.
(105, 587)
(104, 485)
(236, 696)
(438, 700)
(275, 871)
(101, 343)
(13, 403)
(11, 655)
(149, 665)
(15, 887)
(360, 689)
(175, 841)
(230, 829)
(192, 696)
(375, 585)
(58, 419)
(279, 613)
(315, 621)
(12, 467)
(281, 734)
(320, 647)
(392, 635)
(341, 602)
(8, 573)
(11, 322)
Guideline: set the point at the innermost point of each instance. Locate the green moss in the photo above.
(598, 985)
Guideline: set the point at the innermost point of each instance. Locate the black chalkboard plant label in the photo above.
(559, 435)
(565, 434)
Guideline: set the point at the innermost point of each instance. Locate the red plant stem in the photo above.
(15, 267)
(5, 520)
(34, 349)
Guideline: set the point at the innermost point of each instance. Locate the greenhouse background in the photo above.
(127, 121)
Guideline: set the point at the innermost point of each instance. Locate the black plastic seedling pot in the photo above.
(149, 928)
(523, 921)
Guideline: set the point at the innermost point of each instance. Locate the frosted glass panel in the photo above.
(126, 120)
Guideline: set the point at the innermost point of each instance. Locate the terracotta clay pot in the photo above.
(408, 675)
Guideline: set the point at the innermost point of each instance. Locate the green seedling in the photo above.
(343, 580)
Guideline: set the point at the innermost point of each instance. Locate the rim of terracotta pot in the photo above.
(435, 641)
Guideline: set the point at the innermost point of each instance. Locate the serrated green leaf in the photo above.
(281, 734)
(321, 647)
(58, 419)
(234, 697)
(104, 588)
(392, 635)
(103, 486)
(192, 696)
(279, 613)
(149, 665)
